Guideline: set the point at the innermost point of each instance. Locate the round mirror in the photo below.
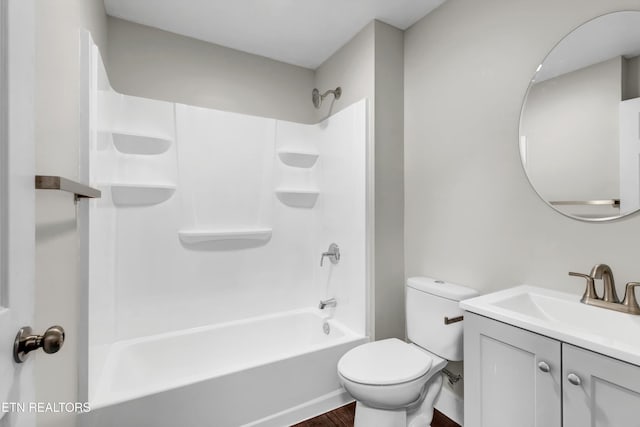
(580, 121)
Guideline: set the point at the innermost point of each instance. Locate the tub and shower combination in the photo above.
(204, 261)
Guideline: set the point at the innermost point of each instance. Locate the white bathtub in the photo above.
(267, 371)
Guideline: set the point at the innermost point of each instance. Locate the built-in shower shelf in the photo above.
(141, 194)
(209, 235)
(299, 198)
(133, 143)
(298, 158)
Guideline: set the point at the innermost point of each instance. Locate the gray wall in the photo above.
(389, 182)
(57, 96)
(470, 215)
(371, 66)
(631, 78)
(152, 63)
(352, 68)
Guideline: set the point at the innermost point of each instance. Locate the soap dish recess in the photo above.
(299, 198)
(131, 143)
(200, 236)
(296, 158)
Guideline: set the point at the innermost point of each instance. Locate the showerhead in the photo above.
(316, 98)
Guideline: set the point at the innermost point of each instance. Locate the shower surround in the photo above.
(204, 260)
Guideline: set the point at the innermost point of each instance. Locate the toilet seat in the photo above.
(384, 362)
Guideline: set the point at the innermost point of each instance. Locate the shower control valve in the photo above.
(333, 254)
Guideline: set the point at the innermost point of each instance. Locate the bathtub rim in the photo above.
(100, 396)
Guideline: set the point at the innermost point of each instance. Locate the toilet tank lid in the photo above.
(441, 288)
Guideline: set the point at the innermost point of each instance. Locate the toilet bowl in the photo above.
(396, 383)
(390, 380)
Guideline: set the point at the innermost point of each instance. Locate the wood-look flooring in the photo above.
(343, 417)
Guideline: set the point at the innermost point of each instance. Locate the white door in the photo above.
(512, 376)
(599, 391)
(629, 155)
(17, 233)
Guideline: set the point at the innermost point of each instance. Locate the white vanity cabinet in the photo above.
(514, 377)
(598, 391)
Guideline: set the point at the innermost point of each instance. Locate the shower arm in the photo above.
(336, 92)
(317, 98)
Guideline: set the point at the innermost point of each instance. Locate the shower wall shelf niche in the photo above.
(297, 197)
(210, 235)
(141, 194)
(134, 143)
(298, 158)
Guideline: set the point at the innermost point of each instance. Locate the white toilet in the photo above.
(394, 383)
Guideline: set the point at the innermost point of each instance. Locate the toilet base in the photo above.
(420, 415)
(372, 417)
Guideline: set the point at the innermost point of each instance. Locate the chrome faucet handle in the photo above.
(590, 291)
(324, 254)
(630, 298)
(603, 271)
(333, 253)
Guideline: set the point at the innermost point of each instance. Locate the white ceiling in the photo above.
(300, 32)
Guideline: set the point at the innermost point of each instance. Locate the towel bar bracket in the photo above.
(80, 191)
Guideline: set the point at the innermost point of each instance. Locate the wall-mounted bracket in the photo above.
(80, 191)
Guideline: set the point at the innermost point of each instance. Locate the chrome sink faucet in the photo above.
(331, 302)
(609, 299)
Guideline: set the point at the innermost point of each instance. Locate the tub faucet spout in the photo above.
(331, 302)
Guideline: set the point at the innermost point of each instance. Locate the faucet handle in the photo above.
(630, 298)
(333, 253)
(590, 291)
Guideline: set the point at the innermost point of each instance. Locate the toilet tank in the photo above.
(428, 302)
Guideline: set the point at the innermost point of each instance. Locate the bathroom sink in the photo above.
(562, 316)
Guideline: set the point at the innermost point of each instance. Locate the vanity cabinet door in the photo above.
(599, 391)
(511, 376)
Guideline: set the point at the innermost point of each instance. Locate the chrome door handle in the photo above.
(544, 367)
(574, 379)
(51, 341)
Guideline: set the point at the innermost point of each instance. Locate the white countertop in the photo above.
(563, 317)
